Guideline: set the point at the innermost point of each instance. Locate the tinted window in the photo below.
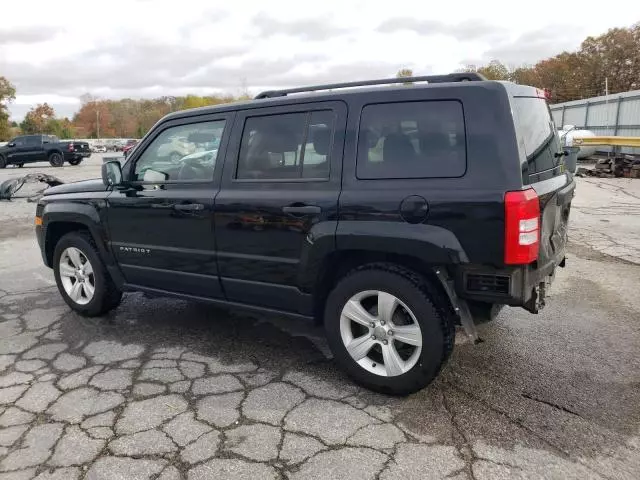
(33, 140)
(538, 133)
(186, 152)
(18, 141)
(286, 146)
(412, 140)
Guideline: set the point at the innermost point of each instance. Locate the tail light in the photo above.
(522, 227)
(71, 147)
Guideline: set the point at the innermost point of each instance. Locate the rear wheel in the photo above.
(56, 159)
(75, 161)
(82, 279)
(20, 165)
(385, 329)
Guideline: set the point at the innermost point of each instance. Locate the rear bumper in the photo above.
(521, 286)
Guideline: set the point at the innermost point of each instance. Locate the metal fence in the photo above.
(617, 114)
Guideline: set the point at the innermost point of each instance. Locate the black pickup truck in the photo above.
(43, 148)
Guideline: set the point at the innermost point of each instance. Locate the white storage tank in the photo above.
(569, 132)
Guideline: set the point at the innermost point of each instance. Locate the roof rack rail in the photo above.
(451, 77)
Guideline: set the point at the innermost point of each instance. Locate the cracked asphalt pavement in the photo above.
(165, 389)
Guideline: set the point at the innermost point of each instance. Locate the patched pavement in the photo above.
(164, 389)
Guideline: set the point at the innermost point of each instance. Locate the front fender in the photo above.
(88, 213)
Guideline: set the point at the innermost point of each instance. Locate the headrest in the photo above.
(322, 140)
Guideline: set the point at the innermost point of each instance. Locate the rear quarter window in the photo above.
(412, 140)
(539, 137)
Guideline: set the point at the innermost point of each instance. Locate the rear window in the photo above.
(538, 133)
(412, 140)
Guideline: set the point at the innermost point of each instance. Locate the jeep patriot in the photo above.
(389, 211)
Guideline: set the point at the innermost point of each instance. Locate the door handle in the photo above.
(189, 207)
(302, 209)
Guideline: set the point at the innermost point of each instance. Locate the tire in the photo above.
(106, 295)
(20, 165)
(416, 303)
(56, 159)
(75, 161)
(3, 162)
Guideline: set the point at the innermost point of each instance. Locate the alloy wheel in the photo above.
(76, 276)
(380, 333)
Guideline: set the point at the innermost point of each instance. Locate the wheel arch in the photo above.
(60, 218)
(340, 262)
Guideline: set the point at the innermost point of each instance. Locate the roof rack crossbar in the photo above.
(451, 77)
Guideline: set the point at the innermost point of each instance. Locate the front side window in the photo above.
(412, 140)
(181, 153)
(18, 141)
(286, 146)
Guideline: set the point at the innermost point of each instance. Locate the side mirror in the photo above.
(11, 144)
(111, 174)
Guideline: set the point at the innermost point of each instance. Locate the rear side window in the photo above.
(538, 133)
(33, 140)
(412, 140)
(286, 146)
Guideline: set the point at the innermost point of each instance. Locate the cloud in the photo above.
(533, 46)
(31, 34)
(467, 30)
(308, 29)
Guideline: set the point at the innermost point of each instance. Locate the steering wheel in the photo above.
(192, 169)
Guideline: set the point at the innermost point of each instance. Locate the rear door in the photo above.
(544, 170)
(278, 201)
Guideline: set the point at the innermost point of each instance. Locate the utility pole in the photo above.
(97, 124)
(606, 101)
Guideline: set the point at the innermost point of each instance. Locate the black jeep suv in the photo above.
(390, 213)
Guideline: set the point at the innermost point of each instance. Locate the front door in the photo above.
(278, 202)
(161, 225)
(34, 149)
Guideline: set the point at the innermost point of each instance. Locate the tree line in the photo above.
(609, 63)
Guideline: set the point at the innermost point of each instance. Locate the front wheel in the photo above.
(56, 159)
(75, 161)
(82, 279)
(3, 162)
(385, 329)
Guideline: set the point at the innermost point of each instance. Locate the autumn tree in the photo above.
(404, 72)
(38, 119)
(495, 70)
(7, 95)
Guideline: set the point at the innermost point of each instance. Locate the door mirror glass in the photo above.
(11, 144)
(111, 174)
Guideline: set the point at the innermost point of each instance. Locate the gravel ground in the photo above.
(164, 389)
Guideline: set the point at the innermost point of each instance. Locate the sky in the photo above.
(56, 52)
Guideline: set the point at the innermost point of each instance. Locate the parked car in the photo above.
(99, 149)
(128, 146)
(421, 208)
(43, 148)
